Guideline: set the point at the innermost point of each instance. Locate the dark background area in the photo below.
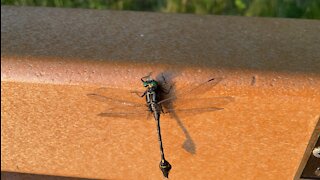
(307, 9)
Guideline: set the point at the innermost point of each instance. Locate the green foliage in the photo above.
(309, 9)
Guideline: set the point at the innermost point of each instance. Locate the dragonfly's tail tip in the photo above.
(165, 167)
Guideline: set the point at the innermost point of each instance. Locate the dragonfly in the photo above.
(159, 100)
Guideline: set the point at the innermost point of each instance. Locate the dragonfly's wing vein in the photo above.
(117, 104)
(201, 103)
(189, 112)
(124, 114)
(193, 110)
(192, 91)
(112, 99)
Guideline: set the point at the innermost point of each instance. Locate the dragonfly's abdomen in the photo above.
(155, 109)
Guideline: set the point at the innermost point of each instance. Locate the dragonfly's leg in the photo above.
(143, 94)
(148, 76)
(137, 93)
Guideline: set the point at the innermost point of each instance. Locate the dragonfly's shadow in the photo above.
(166, 82)
(188, 144)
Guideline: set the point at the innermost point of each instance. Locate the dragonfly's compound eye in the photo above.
(145, 84)
(154, 83)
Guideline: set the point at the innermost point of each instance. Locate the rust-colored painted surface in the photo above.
(50, 126)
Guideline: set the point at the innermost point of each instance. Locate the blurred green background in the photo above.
(308, 9)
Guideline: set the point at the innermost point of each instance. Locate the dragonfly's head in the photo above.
(150, 84)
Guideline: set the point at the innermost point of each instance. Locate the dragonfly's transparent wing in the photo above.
(137, 114)
(187, 101)
(115, 98)
(114, 102)
(182, 113)
(192, 110)
(192, 91)
(118, 105)
(201, 103)
(191, 107)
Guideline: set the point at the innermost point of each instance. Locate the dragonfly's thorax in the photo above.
(151, 97)
(152, 101)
